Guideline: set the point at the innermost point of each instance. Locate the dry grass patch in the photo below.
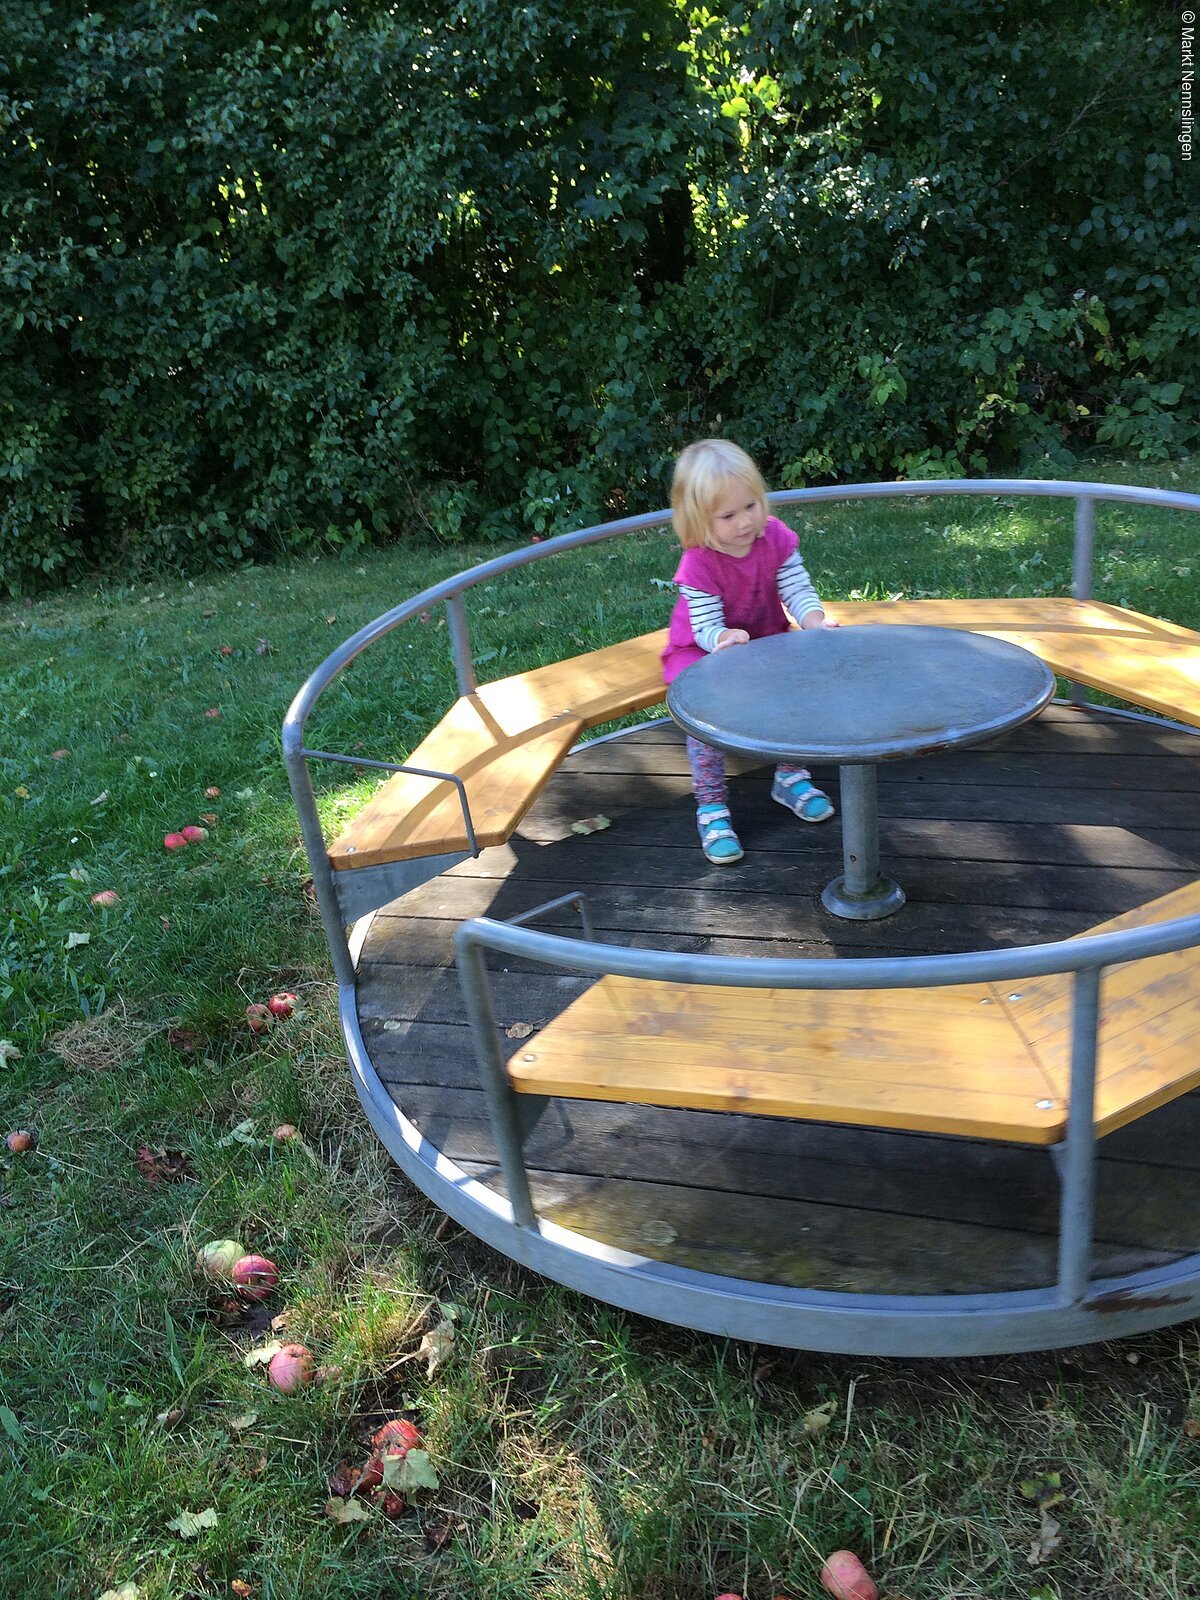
(101, 1044)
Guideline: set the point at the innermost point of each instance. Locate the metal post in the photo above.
(862, 893)
(322, 872)
(502, 1110)
(1078, 1169)
(460, 644)
(1081, 579)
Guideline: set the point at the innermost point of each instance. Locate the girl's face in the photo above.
(736, 519)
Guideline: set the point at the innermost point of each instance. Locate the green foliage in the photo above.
(276, 276)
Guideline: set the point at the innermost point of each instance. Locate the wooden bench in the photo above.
(507, 738)
(981, 1060)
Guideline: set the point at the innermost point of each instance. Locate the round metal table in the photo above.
(857, 696)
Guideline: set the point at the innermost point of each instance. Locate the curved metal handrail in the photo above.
(451, 588)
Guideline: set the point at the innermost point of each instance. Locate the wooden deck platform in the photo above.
(1078, 816)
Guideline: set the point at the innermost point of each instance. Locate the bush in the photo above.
(309, 274)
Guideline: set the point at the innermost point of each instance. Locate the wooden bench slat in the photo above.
(504, 772)
(753, 1050)
(506, 738)
(971, 1059)
(1124, 653)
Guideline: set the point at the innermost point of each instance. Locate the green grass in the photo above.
(582, 1452)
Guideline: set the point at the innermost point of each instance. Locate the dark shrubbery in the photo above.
(295, 273)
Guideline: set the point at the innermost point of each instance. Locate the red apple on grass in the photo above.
(259, 1018)
(174, 841)
(282, 1004)
(845, 1577)
(255, 1276)
(291, 1368)
(194, 834)
(19, 1140)
(105, 897)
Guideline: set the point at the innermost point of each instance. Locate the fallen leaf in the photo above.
(262, 1355)
(243, 1134)
(817, 1420)
(171, 1418)
(21, 792)
(591, 825)
(263, 648)
(100, 798)
(518, 1030)
(162, 1166)
(411, 1471)
(190, 1524)
(8, 1051)
(346, 1510)
(241, 1588)
(209, 816)
(329, 621)
(1191, 1428)
(127, 1591)
(436, 1347)
(74, 940)
(240, 1424)
(1045, 1491)
(1046, 1542)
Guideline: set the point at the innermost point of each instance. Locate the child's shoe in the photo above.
(720, 844)
(802, 796)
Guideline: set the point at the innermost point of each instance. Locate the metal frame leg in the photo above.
(1077, 1165)
(861, 893)
(509, 1123)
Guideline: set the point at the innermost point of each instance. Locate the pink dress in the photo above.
(747, 586)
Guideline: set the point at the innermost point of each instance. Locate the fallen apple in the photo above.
(259, 1018)
(212, 792)
(398, 1434)
(105, 897)
(194, 834)
(281, 1005)
(286, 1131)
(844, 1576)
(174, 841)
(216, 1260)
(18, 1140)
(291, 1368)
(255, 1276)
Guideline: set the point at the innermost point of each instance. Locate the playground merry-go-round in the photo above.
(965, 1126)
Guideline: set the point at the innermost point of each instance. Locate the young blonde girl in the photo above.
(740, 568)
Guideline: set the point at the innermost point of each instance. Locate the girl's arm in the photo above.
(798, 595)
(706, 613)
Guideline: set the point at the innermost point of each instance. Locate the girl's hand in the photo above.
(825, 622)
(730, 636)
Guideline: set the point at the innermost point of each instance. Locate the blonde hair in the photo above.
(702, 472)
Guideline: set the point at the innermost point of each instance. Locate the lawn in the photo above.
(577, 1451)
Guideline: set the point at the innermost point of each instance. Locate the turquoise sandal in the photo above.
(720, 844)
(801, 796)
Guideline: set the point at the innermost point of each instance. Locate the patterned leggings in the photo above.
(708, 773)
